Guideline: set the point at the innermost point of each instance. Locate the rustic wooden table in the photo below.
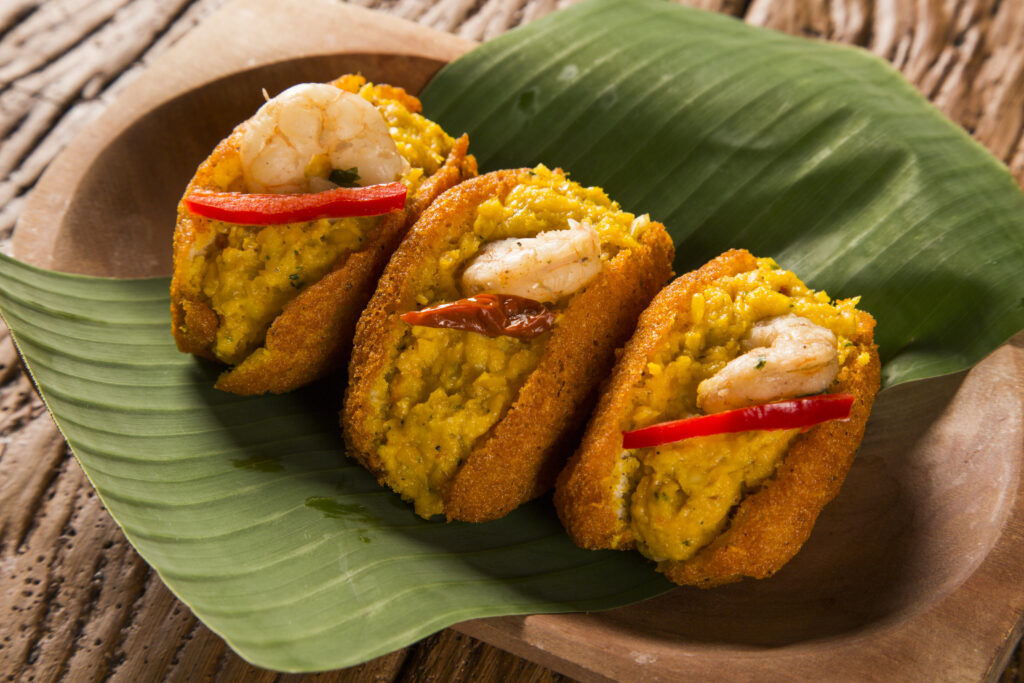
(76, 601)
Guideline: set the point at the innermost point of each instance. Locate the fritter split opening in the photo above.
(466, 424)
(280, 301)
(740, 331)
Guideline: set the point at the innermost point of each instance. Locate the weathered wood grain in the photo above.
(76, 601)
(54, 82)
(966, 56)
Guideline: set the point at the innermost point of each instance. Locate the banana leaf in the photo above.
(248, 508)
(820, 156)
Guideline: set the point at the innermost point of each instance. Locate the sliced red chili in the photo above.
(271, 209)
(792, 414)
(488, 314)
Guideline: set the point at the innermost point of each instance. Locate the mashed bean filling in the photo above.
(249, 274)
(683, 493)
(448, 388)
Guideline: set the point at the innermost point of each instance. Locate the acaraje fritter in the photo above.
(738, 332)
(469, 425)
(278, 302)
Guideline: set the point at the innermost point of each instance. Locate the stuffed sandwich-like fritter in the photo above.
(492, 326)
(271, 289)
(723, 358)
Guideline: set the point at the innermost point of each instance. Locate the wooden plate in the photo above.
(916, 571)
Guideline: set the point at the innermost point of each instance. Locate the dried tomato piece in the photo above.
(492, 315)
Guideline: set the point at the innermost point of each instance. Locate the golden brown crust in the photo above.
(769, 526)
(185, 302)
(200, 322)
(583, 496)
(518, 458)
(313, 333)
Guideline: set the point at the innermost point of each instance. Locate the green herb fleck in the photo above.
(348, 177)
(761, 361)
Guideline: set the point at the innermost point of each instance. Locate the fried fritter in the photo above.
(279, 302)
(715, 509)
(472, 426)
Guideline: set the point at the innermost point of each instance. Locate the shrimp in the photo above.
(786, 356)
(311, 124)
(546, 268)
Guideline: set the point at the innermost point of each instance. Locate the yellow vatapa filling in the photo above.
(448, 388)
(248, 274)
(683, 493)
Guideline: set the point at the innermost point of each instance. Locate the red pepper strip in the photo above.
(488, 314)
(271, 209)
(792, 414)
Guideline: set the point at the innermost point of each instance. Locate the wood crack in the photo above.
(118, 654)
(15, 13)
(47, 603)
(91, 598)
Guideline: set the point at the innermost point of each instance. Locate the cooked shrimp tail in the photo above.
(785, 356)
(296, 138)
(548, 267)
